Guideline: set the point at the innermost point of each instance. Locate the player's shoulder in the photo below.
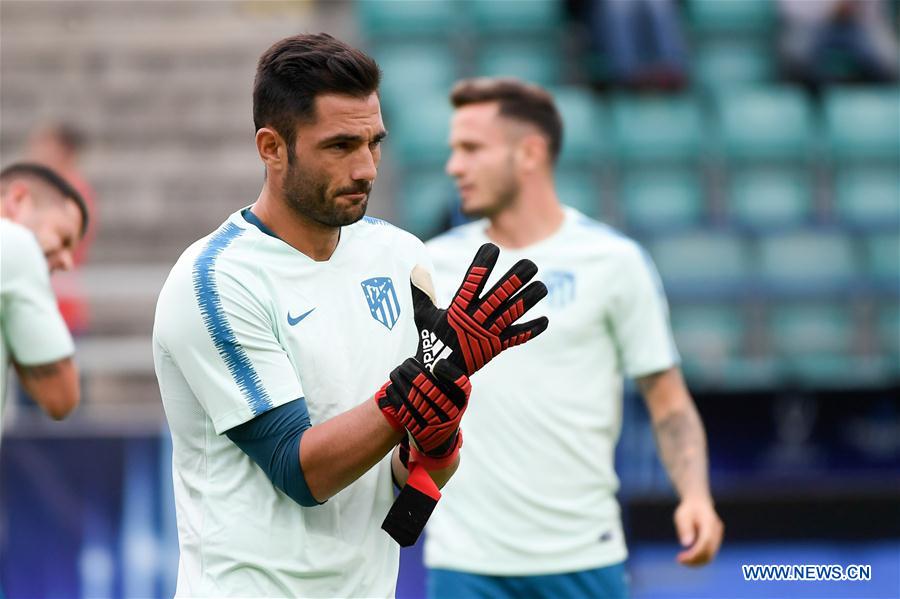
(17, 236)
(20, 242)
(459, 238)
(600, 237)
(376, 231)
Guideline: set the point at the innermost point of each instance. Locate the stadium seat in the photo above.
(580, 189)
(732, 63)
(412, 71)
(419, 133)
(766, 198)
(868, 197)
(658, 128)
(815, 342)
(584, 131)
(657, 200)
(426, 197)
(525, 16)
(708, 334)
(404, 18)
(883, 257)
(765, 123)
(863, 123)
(807, 262)
(728, 16)
(537, 62)
(701, 264)
(888, 327)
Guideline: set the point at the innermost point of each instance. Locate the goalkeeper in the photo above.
(532, 511)
(293, 358)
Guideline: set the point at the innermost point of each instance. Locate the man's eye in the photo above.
(376, 144)
(340, 146)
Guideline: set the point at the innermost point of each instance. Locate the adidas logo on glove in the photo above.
(434, 349)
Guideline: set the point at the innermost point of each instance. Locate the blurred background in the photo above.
(752, 146)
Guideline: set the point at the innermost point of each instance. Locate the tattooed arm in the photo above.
(681, 441)
(52, 386)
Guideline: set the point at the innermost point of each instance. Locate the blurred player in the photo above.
(274, 334)
(532, 512)
(43, 219)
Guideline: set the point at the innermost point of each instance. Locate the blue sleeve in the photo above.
(272, 440)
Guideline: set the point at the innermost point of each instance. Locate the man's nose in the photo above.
(60, 260)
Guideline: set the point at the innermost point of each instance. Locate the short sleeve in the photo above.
(32, 325)
(639, 316)
(219, 335)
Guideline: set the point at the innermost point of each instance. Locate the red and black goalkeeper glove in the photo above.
(427, 404)
(475, 327)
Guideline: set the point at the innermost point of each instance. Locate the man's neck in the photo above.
(306, 236)
(534, 216)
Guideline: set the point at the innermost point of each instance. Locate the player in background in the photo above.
(42, 220)
(532, 512)
(293, 356)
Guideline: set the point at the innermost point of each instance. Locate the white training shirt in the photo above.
(535, 490)
(33, 330)
(246, 323)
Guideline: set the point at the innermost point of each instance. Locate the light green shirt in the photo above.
(33, 330)
(535, 490)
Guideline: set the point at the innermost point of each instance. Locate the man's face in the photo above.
(482, 159)
(54, 220)
(335, 160)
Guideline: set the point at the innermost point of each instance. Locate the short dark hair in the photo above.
(295, 70)
(50, 177)
(518, 100)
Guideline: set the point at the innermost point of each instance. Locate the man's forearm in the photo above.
(338, 451)
(53, 386)
(682, 449)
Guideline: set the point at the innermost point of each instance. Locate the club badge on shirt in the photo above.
(382, 299)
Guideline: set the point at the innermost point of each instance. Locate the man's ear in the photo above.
(15, 200)
(272, 149)
(532, 151)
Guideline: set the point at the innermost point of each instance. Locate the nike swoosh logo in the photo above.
(292, 321)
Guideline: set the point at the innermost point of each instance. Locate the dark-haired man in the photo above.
(273, 333)
(532, 511)
(42, 219)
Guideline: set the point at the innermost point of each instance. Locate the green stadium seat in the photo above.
(661, 199)
(727, 16)
(883, 258)
(732, 63)
(658, 128)
(888, 332)
(580, 189)
(863, 124)
(868, 197)
(701, 264)
(770, 124)
(808, 328)
(404, 18)
(583, 125)
(414, 70)
(708, 334)
(522, 16)
(532, 61)
(426, 197)
(807, 261)
(765, 198)
(419, 134)
(815, 342)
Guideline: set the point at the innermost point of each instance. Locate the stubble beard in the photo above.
(307, 195)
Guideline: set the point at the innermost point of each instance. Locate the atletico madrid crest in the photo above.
(382, 300)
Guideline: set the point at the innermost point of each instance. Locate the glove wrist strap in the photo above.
(432, 463)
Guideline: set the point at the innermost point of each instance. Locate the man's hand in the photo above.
(427, 404)
(699, 530)
(475, 328)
